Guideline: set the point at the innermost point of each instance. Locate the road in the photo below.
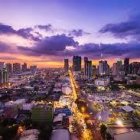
(85, 132)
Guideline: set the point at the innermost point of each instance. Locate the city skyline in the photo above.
(45, 32)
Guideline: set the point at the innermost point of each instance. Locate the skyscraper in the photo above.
(134, 68)
(77, 63)
(66, 64)
(89, 69)
(126, 66)
(3, 76)
(85, 65)
(24, 67)
(9, 68)
(117, 68)
(16, 68)
(2, 65)
(103, 68)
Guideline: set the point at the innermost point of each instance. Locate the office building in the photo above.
(88, 71)
(9, 68)
(134, 68)
(3, 76)
(2, 65)
(85, 65)
(103, 68)
(24, 67)
(77, 63)
(126, 66)
(66, 65)
(117, 68)
(16, 68)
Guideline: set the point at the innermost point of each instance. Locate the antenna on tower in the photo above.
(101, 55)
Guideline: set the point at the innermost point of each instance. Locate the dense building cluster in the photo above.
(79, 101)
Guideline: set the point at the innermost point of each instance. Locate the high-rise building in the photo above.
(117, 68)
(85, 65)
(89, 70)
(66, 64)
(103, 68)
(134, 68)
(3, 76)
(9, 68)
(77, 63)
(94, 69)
(24, 67)
(16, 68)
(2, 65)
(33, 68)
(126, 66)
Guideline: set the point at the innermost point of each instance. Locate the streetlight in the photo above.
(119, 122)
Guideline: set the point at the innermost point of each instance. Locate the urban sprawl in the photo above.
(77, 102)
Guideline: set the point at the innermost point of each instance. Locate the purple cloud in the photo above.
(26, 33)
(23, 32)
(131, 28)
(54, 45)
(91, 50)
(47, 27)
(78, 33)
(6, 29)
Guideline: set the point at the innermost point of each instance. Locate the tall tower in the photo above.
(85, 65)
(24, 67)
(9, 68)
(66, 65)
(103, 68)
(3, 76)
(126, 66)
(77, 63)
(16, 68)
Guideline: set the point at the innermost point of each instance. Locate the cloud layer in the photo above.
(129, 28)
(62, 45)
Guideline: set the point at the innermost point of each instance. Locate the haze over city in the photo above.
(43, 32)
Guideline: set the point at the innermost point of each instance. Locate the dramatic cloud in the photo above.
(94, 51)
(91, 50)
(54, 45)
(58, 46)
(129, 28)
(78, 33)
(6, 29)
(23, 32)
(26, 33)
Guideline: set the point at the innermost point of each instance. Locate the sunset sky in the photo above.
(44, 32)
